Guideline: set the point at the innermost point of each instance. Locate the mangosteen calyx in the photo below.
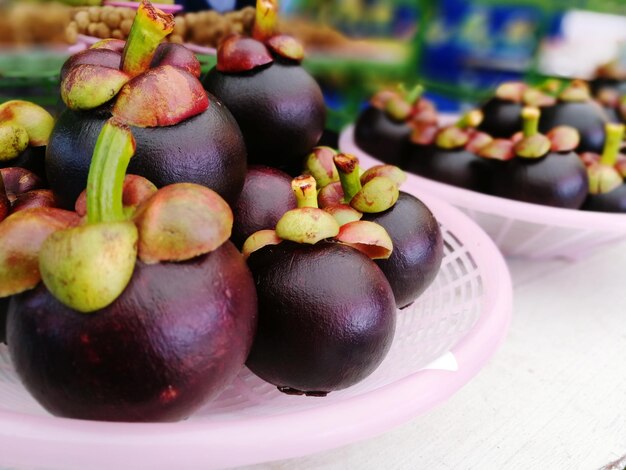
(145, 90)
(532, 144)
(604, 177)
(404, 105)
(237, 54)
(88, 267)
(309, 224)
(321, 166)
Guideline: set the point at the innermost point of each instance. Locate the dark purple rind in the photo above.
(175, 339)
(457, 167)
(501, 118)
(588, 117)
(207, 149)
(280, 110)
(558, 180)
(103, 57)
(382, 137)
(417, 247)
(613, 201)
(265, 197)
(326, 316)
(32, 159)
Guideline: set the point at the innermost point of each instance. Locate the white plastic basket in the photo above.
(463, 317)
(519, 229)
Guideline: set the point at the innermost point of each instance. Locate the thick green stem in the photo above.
(348, 167)
(471, 119)
(305, 190)
(114, 148)
(530, 117)
(612, 144)
(265, 20)
(414, 94)
(149, 28)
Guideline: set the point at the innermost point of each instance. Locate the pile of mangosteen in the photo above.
(165, 231)
(552, 144)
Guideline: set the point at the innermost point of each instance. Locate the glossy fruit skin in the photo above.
(4, 309)
(613, 201)
(265, 197)
(417, 248)
(326, 316)
(557, 180)
(502, 118)
(280, 110)
(207, 149)
(175, 338)
(457, 167)
(382, 137)
(588, 117)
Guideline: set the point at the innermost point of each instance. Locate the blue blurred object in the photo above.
(218, 5)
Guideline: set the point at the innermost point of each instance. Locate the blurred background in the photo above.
(459, 49)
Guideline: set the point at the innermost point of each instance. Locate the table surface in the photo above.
(553, 396)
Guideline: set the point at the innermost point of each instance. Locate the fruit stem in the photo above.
(149, 28)
(305, 190)
(265, 20)
(471, 119)
(414, 94)
(348, 168)
(530, 117)
(114, 148)
(612, 144)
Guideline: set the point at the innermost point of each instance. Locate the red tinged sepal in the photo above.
(563, 138)
(180, 222)
(34, 199)
(88, 86)
(367, 237)
(286, 46)
(103, 57)
(116, 45)
(177, 55)
(137, 190)
(21, 237)
(498, 149)
(163, 96)
(240, 54)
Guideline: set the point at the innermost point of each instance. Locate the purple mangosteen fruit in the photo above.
(607, 188)
(502, 112)
(383, 128)
(575, 108)
(326, 311)
(278, 105)
(183, 133)
(265, 197)
(451, 157)
(24, 132)
(414, 231)
(145, 313)
(545, 169)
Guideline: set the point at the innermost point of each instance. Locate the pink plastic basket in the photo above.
(519, 229)
(463, 317)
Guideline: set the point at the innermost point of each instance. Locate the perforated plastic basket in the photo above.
(463, 317)
(519, 229)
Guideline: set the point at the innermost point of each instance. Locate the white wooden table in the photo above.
(553, 397)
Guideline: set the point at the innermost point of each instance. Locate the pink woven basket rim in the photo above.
(508, 208)
(27, 440)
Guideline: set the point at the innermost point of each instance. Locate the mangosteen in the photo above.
(383, 128)
(576, 109)
(136, 320)
(183, 133)
(265, 197)
(451, 157)
(24, 132)
(326, 311)
(502, 112)
(278, 105)
(414, 231)
(607, 188)
(545, 169)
